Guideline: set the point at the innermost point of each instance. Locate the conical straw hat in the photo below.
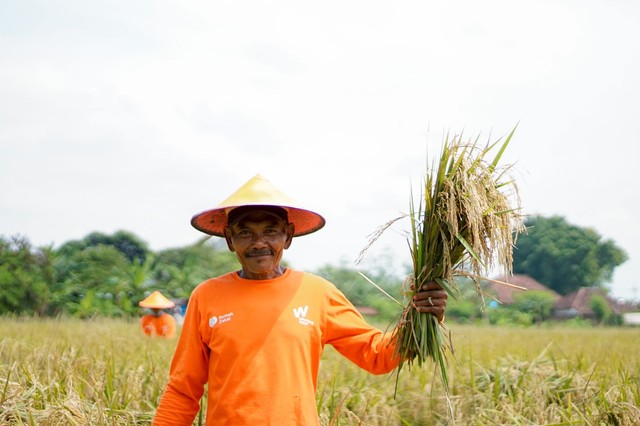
(257, 192)
(156, 301)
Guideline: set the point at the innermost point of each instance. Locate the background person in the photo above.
(158, 323)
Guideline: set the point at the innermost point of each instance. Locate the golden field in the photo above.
(105, 372)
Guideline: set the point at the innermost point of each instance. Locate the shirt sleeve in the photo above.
(180, 401)
(168, 325)
(145, 326)
(348, 332)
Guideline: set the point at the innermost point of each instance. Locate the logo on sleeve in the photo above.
(301, 313)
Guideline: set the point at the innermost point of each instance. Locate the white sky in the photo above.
(136, 115)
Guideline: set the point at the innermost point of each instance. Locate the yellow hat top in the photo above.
(258, 191)
(156, 301)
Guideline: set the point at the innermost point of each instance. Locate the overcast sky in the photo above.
(136, 115)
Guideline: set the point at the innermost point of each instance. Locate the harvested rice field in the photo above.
(105, 372)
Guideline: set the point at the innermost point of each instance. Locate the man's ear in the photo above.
(290, 230)
(227, 237)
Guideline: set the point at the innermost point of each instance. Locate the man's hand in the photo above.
(431, 299)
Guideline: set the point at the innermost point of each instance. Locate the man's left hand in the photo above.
(431, 299)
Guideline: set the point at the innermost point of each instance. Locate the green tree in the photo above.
(349, 281)
(565, 257)
(134, 285)
(360, 292)
(26, 275)
(179, 270)
(469, 305)
(92, 281)
(602, 312)
(463, 310)
(125, 242)
(537, 303)
(508, 316)
(102, 274)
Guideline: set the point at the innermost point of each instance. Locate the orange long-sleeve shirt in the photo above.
(258, 345)
(163, 326)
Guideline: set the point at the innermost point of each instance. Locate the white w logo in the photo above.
(301, 311)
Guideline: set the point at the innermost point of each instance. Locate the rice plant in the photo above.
(106, 372)
(463, 223)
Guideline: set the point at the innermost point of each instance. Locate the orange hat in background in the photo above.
(257, 192)
(156, 301)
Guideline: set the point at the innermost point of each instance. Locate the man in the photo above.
(256, 335)
(158, 323)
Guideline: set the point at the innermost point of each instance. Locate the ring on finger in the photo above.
(430, 301)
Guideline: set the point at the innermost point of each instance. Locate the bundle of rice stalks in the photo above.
(464, 223)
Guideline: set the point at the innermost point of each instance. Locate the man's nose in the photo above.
(259, 237)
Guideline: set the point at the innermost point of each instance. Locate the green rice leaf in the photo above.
(470, 249)
(495, 161)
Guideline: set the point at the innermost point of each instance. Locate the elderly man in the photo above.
(256, 335)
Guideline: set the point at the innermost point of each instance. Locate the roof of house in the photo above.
(367, 310)
(505, 294)
(580, 300)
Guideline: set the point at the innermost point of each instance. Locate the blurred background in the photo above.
(135, 116)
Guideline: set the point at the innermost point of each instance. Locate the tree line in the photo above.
(108, 275)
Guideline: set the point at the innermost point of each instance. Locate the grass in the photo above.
(104, 372)
(57, 372)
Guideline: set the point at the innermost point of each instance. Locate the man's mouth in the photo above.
(259, 253)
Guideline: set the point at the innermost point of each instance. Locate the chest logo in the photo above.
(220, 319)
(301, 313)
(213, 321)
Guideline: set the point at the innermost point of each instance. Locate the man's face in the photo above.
(259, 239)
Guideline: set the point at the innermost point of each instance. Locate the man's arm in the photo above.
(180, 401)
